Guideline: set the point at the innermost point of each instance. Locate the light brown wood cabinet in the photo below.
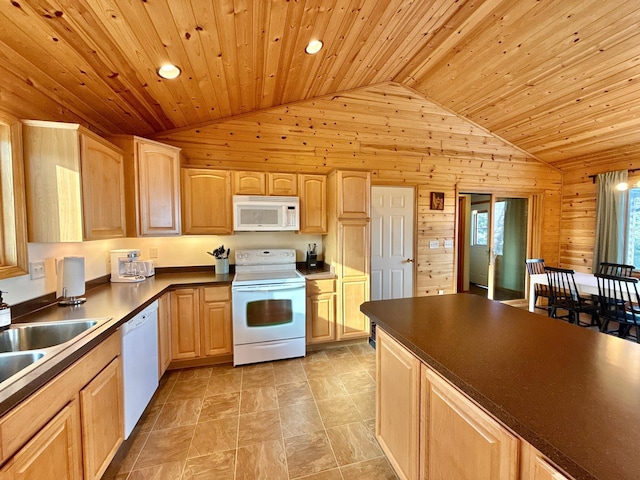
(102, 413)
(285, 184)
(313, 203)
(152, 186)
(164, 333)
(201, 323)
(55, 452)
(321, 311)
(398, 405)
(74, 184)
(534, 466)
(354, 194)
(206, 202)
(249, 183)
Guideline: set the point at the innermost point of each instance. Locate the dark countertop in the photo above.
(572, 393)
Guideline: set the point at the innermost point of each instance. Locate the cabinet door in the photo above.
(55, 452)
(534, 465)
(352, 322)
(164, 334)
(458, 439)
(206, 202)
(102, 189)
(354, 190)
(185, 324)
(398, 405)
(102, 419)
(313, 203)
(354, 242)
(249, 183)
(158, 189)
(216, 321)
(321, 321)
(282, 184)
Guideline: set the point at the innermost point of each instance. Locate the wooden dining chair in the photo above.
(536, 266)
(618, 301)
(564, 295)
(615, 269)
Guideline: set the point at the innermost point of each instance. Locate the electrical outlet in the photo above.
(36, 270)
(434, 243)
(440, 292)
(448, 243)
(153, 252)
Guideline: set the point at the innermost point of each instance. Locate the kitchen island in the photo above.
(571, 393)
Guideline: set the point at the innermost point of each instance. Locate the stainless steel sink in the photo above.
(41, 335)
(13, 362)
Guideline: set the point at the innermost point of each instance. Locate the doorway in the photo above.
(497, 243)
(392, 242)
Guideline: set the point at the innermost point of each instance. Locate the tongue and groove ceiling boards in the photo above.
(559, 79)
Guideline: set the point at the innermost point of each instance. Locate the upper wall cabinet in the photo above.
(249, 183)
(353, 194)
(313, 203)
(13, 229)
(206, 202)
(75, 184)
(282, 184)
(152, 174)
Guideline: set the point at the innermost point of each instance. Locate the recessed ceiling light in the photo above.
(314, 47)
(169, 71)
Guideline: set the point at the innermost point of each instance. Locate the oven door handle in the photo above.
(266, 288)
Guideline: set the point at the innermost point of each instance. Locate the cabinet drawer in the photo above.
(217, 294)
(316, 287)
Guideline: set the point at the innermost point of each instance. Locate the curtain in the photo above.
(610, 210)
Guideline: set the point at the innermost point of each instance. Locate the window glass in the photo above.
(633, 228)
(480, 219)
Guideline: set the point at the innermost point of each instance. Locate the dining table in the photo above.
(585, 283)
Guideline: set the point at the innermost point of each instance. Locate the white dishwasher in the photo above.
(139, 364)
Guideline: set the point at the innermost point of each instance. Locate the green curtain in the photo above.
(610, 210)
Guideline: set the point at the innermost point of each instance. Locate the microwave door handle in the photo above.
(267, 288)
(284, 216)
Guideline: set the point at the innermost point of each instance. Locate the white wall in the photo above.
(172, 252)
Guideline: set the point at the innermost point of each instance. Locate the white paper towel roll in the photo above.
(72, 276)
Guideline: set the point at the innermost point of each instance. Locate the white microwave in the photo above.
(265, 214)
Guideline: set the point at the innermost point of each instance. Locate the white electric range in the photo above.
(269, 299)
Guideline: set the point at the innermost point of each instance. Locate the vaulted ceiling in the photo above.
(558, 78)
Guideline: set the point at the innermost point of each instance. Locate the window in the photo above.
(632, 234)
(480, 227)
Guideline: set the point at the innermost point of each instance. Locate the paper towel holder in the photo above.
(71, 281)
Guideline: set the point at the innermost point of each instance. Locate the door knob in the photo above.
(409, 260)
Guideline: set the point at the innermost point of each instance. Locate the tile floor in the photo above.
(311, 418)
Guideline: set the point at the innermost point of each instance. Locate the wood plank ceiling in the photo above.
(558, 78)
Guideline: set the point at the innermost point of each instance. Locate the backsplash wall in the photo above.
(172, 252)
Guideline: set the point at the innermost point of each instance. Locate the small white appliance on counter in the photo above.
(70, 285)
(268, 305)
(124, 266)
(265, 214)
(139, 364)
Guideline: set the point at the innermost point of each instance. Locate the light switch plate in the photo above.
(36, 270)
(434, 243)
(448, 243)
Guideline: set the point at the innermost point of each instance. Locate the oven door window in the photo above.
(264, 313)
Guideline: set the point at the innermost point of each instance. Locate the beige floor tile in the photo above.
(367, 363)
(338, 352)
(165, 446)
(258, 367)
(363, 350)
(127, 455)
(293, 393)
(256, 379)
(166, 471)
(223, 368)
(320, 368)
(262, 461)
(179, 413)
(118, 476)
(376, 469)
(288, 372)
(357, 382)
(324, 388)
(220, 406)
(228, 382)
(371, 425)
(318, 355)
(300, 418)
(258, 400)
(366, 404)
(149, 417)
(309, 453)
(214, 436)
(165, 386)
(346, 364)
(353, 443)
(196, 373)
(216, 466)
(259, 427)
(191, 388)
(333, 474)
(338, 411)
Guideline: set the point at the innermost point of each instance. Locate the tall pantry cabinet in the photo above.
(348, 248)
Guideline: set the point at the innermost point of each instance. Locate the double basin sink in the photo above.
(23, 345)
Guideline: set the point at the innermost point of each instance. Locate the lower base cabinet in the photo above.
(321, 311)
(456, 438)
(72, 427)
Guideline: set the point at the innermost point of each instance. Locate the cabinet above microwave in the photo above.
(265, 213)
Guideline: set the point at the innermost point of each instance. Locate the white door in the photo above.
(391, 242)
